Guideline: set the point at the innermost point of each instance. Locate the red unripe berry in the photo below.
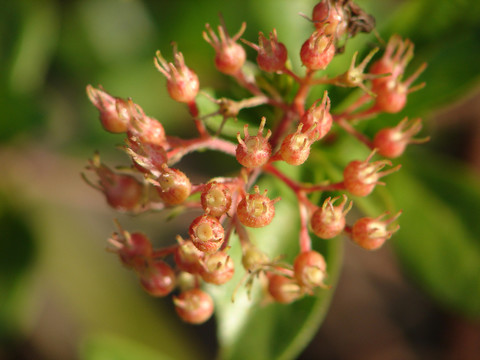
(256, 210)
(182, 82)
(216, 199)
(318, 51)
(310, 269)
(317, 120)
(254, 151)
(391, 142)
(107, 106)
(283, 289)
(371, 233)
(158, 278)
(173, 186)
(329, 17)
(272, 54)
(218, 268)
(187, 257)
(361, 177)
(194, 306)
(328, 221)
(122, 192)
(206, 233)
(229, 55)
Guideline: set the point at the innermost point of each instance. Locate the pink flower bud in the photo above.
(229, 55)
(107, 106)
(256, 210)
(361, 177)
(371, 233)
(328, 221)
(318, 51)
(182, 83)
(254, 151)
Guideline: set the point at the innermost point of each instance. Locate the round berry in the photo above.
(371, 233)
(392, 142)
(295, 148)
(229, 56)
(187, 257)
(158, 278)
(328, 221)
(216, 199)
(256, 210)
(173, 186)
(310, 269)
(194, 306)
(218, 268)
(329, 17)
(283, 289)
(182, 82)
(107, 106)
(318, 51)
(254, 151)
(206, 233)
(361, 177)
(272, 54)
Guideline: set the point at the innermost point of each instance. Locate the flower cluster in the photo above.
(234, 204)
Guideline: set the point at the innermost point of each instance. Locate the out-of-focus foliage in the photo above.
(50, 50)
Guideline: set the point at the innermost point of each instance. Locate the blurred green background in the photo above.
(62, 296)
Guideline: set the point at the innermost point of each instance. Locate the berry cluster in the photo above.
(228, 204)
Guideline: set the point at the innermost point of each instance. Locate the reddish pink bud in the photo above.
(182, 83)
(256, 210)
(272, 55)
(206, 233)
(158, 279)
(360, 177)
(371, 233)
(283, 289)
(391, 92)
(218, 268)
(229, 55)
(194, 306)
(391, 142)
(317, 52)
(173, 185)
(328, 221)
(216, 199)
(134, 249)
(310, 269)
(318, 117)
(187, 257)
(147, 158)
(107, 106)
(329, 16)
(123, 192)
(295, 148)
(254, 151)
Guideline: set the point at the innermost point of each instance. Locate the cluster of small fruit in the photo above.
(228, 204)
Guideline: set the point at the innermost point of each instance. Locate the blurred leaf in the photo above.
(439, 242)
(17, 252)
(251, 330)
(112, 347)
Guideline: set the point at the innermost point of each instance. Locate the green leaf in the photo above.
(439, 242)
(112, 347)
(253, 329)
